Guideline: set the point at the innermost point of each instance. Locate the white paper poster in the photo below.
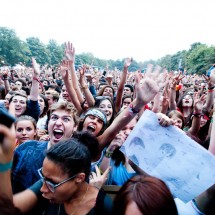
(169, 154)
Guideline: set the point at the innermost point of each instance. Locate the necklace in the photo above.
(78, 202)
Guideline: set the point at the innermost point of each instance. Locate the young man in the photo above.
(29, 156)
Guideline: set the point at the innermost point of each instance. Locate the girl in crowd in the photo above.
(25, 127)
(64, 180)
(144, 196)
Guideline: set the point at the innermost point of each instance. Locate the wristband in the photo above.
(108, 154)
(210, 91)
(197, 114)
(211, 88)
(132, 110)
(5, 167)
(84, 87)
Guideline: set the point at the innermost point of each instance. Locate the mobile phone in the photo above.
(5, 119)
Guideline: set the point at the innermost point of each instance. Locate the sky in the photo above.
(114, 29)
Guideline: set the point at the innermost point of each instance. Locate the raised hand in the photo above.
(176, 79)
(117, 141)
(36, 68)
(128, 62)
(147, 91)
(210, 80)
(70, 52)
(164, 120)
(198, 102)
(97, 179)
(64, 68)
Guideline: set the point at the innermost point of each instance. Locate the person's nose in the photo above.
(24, 132)
(44, 188)
(58, 121)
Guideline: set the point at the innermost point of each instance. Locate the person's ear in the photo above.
(80, 178)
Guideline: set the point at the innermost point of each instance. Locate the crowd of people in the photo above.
(69, 125)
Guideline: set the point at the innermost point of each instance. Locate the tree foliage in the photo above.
(197, 59)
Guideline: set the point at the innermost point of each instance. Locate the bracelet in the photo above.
(108, 154)
(211, 88)
(132, 110)
(5, 167)
(197, 114)
(210, 91)
(84, 87)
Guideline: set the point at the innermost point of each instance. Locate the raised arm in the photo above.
(64, 69)
(70, 56)
(6, 82)
(87, 94)
(210, 95)
(212, 136)
(120, 89)
(198, 105)
(34, 93)
(175, 81)
(144, 94)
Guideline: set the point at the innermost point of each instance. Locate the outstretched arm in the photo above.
(64, 69)
(144, 94)
(198, 105)
(212, 136)
(35, 82)
(70, 56)
(210, 95)
(87, 94)
(120, 89)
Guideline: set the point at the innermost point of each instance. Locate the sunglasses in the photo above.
(50, 185)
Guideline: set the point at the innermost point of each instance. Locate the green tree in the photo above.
(56, 52)
(12, 49)
(38, 50)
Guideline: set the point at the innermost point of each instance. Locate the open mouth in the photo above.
(58, 134)
(91, 128)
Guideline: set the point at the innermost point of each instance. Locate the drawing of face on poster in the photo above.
(138, 147)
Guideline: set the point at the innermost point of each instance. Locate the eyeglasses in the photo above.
(51, 186)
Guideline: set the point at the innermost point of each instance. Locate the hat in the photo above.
(97, 113)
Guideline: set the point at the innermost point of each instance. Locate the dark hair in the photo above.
(179, 105)
(98, 101)
(101, 91)
(129, 86)
(22, 81)
(45, 110)
(176, 113)
(126, 97)
(150, 194)
(18, 94)
(74, 155)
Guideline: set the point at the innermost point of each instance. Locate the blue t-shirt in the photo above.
(28, 158)
(118, 174)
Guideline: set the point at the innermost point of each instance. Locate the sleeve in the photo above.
(33, 109)
(92, 90)
(36, 188)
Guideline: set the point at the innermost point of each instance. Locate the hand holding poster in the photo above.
(169, 154)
